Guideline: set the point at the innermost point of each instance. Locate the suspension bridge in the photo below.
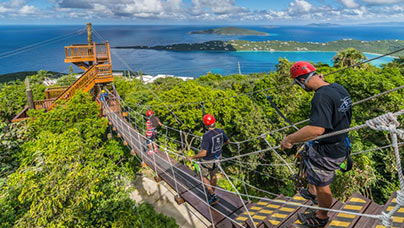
(234, 209)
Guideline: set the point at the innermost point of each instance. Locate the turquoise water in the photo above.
(51, 56)
(198, 62)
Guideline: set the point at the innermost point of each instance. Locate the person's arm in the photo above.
(226, 139)
(305, 134)
(204, 149)
(199, 155)
(160, 124)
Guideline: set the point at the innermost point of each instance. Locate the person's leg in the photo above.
(213, 182)
(207, 185)
(324, 197)
(312, 190)
(154, 145)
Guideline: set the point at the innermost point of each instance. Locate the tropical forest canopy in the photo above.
(59, 169)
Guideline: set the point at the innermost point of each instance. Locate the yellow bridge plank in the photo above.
(339, 223)
(357, 200)
(277, 215)
(353, 207)
(287, 209)
(343, 215)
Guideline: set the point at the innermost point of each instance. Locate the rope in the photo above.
(388, 122)
(154, 94)
(366, 61)
(40, 44)
(260, 151)
(206, 198)
(278, 201)
(224, 98)
(171, 165)
(307, 120)
(295, 204)
(282, 159)
(237, 192)
(241, 170)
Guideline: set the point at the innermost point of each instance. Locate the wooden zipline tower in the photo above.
(93, 58)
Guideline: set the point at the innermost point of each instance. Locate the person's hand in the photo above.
(286, 144)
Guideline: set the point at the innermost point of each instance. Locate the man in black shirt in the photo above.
(330, 112)
(212, 143)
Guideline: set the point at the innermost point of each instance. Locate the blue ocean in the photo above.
(16, 54)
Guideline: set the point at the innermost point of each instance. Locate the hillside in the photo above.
(379, 46)
(231, 31)
(22, 75)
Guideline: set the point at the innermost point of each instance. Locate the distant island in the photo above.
(323, 25)
(231, 31)
(378, 46)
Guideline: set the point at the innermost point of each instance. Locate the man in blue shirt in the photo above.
(212, 143)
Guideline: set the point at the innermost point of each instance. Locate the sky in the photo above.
(204, 12)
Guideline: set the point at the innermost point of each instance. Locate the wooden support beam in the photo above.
(109, 136)
(110, 123)
(143, 164)
(114, 128)
(124, 114)
(179, 199)
(119, 135)
(157, 179)
(125, 143)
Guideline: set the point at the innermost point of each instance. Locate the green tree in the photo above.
(69, 176)
(348, 57)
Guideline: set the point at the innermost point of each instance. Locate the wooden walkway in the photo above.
(229, 211)
(183, 180)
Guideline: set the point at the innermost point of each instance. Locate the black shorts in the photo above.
(150, 139)
(320, 169)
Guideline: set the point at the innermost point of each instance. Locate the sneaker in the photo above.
(150, 152)
(155, 150)
(311, 220)
(213, 199)
(304, 192)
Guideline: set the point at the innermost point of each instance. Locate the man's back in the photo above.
(212, 142)
(331, 109)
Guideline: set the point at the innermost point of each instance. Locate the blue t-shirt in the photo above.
(212, 142)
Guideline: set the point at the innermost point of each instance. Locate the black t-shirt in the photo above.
(212, 142)
(331, 109)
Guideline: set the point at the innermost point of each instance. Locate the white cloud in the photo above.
(206, 11)
(17, 3)
(299, 7)
(382, 1)
(4, 9)
(349, 3)
(25, 10)
(17, 8)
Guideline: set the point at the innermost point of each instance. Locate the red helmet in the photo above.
(301, 68)
(208, 119)
(149, 113)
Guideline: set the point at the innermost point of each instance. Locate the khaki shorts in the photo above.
(209, 169)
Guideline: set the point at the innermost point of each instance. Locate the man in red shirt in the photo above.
(151, 131)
